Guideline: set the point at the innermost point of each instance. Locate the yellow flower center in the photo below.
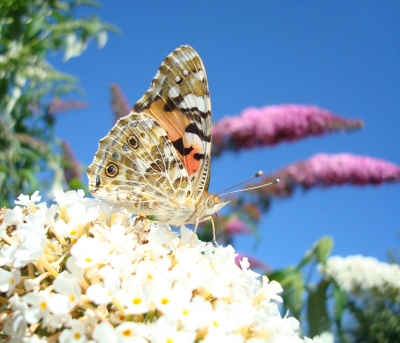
(127, 333)
(136, 301)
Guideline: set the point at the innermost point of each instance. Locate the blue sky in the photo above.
(343, 56)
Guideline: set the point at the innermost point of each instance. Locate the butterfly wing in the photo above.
(179, 100)
(137, 167)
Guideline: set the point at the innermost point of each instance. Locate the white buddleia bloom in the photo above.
(29, 202)
(90, 251)
(8, 280)
(359, 273)
(91, 273)
(75, 334)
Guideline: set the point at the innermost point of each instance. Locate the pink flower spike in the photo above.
(119, 103)
(254, 263)
(236, 226)
(327, 170)
(72, 167)
(272, 124)
(62, 106)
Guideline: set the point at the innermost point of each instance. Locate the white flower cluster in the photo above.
(83, 271)
(360, 273)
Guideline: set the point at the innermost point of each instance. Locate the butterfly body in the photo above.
(156, 160)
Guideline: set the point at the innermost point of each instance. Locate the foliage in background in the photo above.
(32, 91)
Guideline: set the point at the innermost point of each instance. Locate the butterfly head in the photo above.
(213, 204)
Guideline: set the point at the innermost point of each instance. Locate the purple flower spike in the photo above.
(326, 170)
(72, 167)
(272, 124)
(62, 106)
(119, 103)
(343, 168)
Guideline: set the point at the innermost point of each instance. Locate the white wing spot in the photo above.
(183, 104)
(178, 79)
(186, 55)
(185, 72)
(195, 101)
(163, 78)
(173, 92)
(199, 75)
(157, 91)
(191, 54)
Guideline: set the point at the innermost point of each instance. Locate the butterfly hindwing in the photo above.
(137, 167)
(179, 100)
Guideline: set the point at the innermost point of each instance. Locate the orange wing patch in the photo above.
(192, 160)
(175, 125)
(179, 100)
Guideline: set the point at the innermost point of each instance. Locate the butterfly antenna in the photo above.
(241, 183)
(250, 188)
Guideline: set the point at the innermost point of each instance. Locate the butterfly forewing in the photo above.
(180, 102)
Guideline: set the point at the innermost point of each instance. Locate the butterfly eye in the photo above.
(112, 170)
(210, 202)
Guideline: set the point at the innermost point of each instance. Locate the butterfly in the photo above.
(156, 160)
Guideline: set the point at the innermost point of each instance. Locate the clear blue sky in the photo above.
(343, 56)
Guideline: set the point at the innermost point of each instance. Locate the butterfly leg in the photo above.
(214, 240)
(196, 225)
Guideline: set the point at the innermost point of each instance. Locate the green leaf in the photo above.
(28, 153)
(292, 282)
(319, 252)
(34, 26)
(340, 302)
(324, 249)
(308, 256)
(317, 314)
(29, 176)
(284, 276)
(4, 168)
(76, 183)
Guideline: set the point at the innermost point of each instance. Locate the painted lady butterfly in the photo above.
(156, 160)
